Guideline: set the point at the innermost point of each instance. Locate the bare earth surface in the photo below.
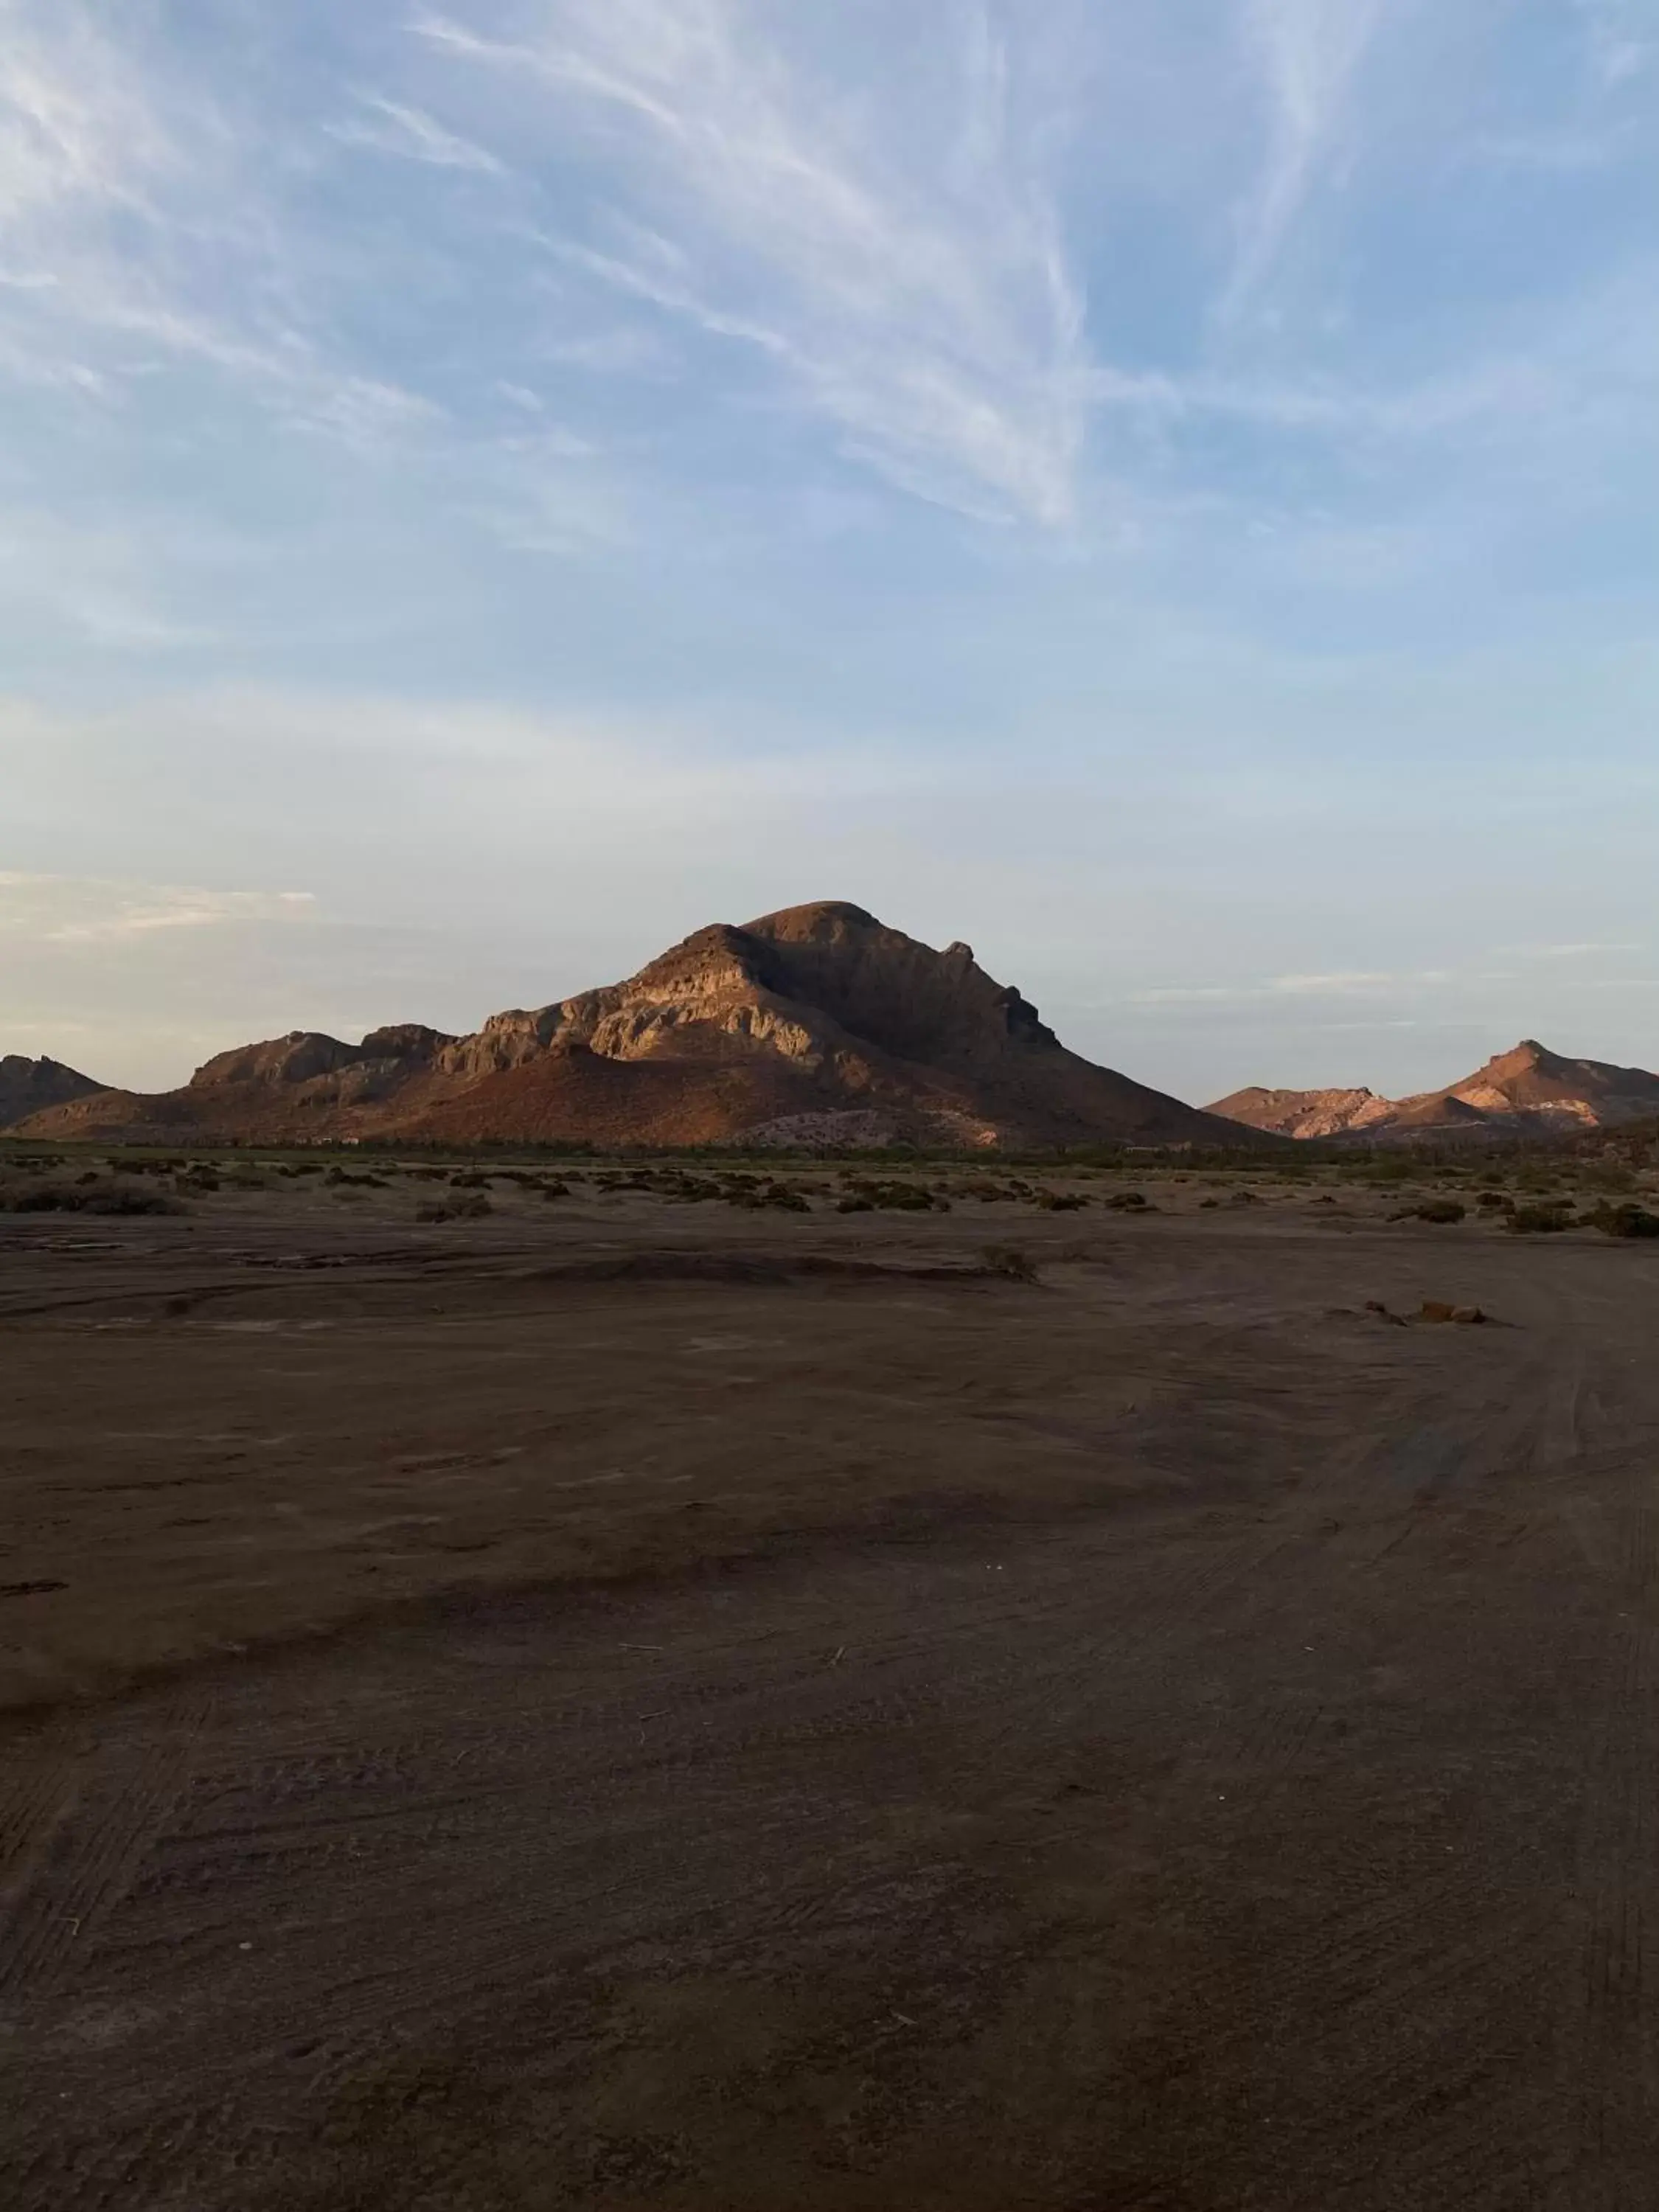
(685, 1711)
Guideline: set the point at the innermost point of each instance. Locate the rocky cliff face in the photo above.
(1527, 1089)
(817, 1023)
(31, 1086)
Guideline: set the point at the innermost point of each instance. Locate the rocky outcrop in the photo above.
(1304, 1113)
(1527, 1090)
(1546, 1087)
(33, 1087)
(819, 1024)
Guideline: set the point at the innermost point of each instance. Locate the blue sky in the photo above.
(1166, 493)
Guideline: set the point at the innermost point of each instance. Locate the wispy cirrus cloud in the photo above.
(409, 134)
(52, 909)
(1572, 952)
(1341, 984)
(1309, 53)
(902, 262)
(141, 229)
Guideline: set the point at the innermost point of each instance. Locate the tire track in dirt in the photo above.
(93, 1859)
(38, 1784)
(1614, 2042)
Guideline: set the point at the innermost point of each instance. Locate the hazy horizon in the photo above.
(1166, 496)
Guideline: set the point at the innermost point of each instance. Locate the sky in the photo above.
(1167, 494)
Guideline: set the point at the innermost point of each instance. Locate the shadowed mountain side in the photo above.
(818, 1024)
(1530, 1089)
(34, 1086)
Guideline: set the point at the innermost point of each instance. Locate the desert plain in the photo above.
(717, 1686)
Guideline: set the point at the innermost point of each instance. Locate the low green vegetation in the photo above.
(105, 1198)
(1606, 1181)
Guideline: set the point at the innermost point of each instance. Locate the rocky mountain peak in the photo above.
(30, 1086)
(816, 1023)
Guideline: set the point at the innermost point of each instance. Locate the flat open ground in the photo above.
(689, 1709)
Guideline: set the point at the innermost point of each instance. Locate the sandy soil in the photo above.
(622, 1705)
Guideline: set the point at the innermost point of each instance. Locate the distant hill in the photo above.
(31, 1086)
(1304, 1113)
(817, 1025)
(1530, 1089)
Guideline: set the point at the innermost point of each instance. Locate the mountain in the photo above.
(30, 1086)
(816, 1025)
(1303, 1113)
(1529, 1092)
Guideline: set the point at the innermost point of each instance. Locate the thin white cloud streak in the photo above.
(136, 225)
(1360, 983)
(55, 910)
(409, 134)
(1571, 951)
(1353, 983)
(1309, 53)
(74, 123)
(926, 309)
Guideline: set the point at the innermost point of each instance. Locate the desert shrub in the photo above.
(1540, 1221)
(1631, 1220)
(1060, 1201)
(852, 1204)
(1610, 1175)
(1128, 1201)
(1493, 1201)
(473, 1206)
(1008, 1260)
(1432, 1209)
(1386, 1171)
(785, 1199)
(901, 1197)
(119, 1199)
(70, 1198)
(1534, 1178)
(556, 1187)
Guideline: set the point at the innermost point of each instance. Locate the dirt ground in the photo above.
(623, 1703)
